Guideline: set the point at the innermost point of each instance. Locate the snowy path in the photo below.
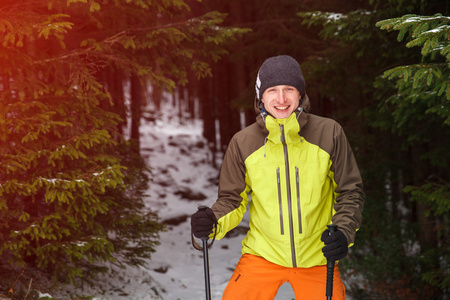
(180, 161)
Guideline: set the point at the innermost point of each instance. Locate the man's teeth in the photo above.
(281, 107)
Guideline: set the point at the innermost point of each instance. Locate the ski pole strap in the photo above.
(197, 246)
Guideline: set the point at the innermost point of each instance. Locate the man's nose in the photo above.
(281, 97)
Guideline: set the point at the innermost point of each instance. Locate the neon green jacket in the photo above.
(297, 175)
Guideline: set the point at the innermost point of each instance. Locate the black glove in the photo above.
(336, 245)
(202, 222)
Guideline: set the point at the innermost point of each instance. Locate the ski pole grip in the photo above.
(332, 228)
(330, 268)
(330, 275)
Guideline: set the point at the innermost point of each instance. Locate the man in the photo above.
(300, 175)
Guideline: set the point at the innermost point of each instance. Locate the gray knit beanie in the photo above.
(279, 70)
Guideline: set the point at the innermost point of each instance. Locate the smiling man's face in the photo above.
(281, 100)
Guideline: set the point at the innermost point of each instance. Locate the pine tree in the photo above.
(429, 78)
(71, 188)
(391, 155)
(426, 85)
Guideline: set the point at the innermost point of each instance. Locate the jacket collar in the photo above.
(301, 116)
(291, 127)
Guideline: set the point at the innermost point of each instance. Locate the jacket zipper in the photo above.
(288, 188)
(297, 179)
(279, 202)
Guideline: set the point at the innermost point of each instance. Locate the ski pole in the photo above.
(206, 266)
(330, 268)
(206, 261)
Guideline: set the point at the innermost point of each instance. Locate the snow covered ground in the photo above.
(181, 169)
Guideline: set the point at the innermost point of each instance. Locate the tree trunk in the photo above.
(427, 232)
(191, 96)
(136, 111)
(114, 79)
(208, 116)
(156, 96)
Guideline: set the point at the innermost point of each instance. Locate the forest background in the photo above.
(72, 181)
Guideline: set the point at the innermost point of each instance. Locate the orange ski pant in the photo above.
(255, 278)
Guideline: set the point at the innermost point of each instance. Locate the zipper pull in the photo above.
(282, 133)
